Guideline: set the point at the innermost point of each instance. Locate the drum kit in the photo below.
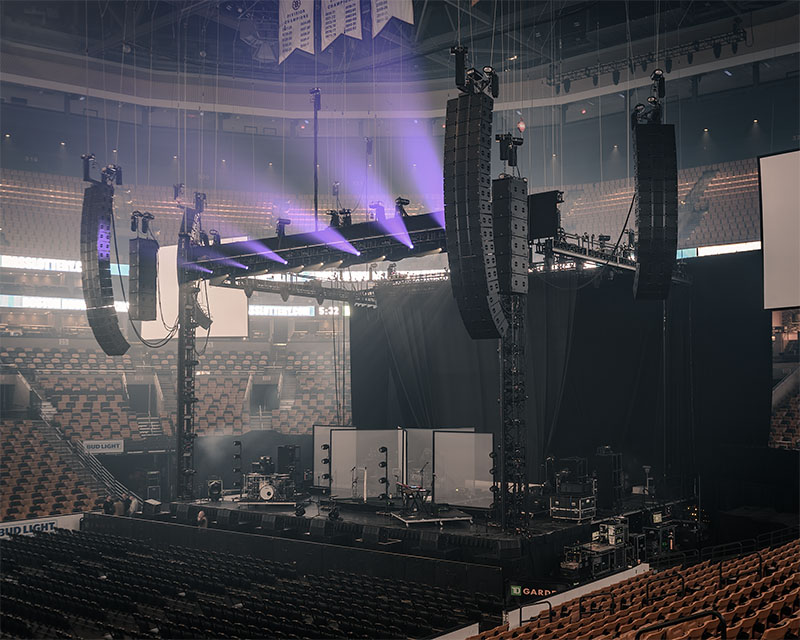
(272, 487)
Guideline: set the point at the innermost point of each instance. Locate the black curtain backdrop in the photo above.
(593, 357)
(595, 370)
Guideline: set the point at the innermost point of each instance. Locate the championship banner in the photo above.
(340, 17)
(385, 10)
(295, 27)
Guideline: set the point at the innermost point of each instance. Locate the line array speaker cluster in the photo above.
(96, 280)
(468, 215)
(656, 170)
(143, 254)
(510, 209)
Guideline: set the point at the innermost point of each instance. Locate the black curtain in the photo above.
(595, 368)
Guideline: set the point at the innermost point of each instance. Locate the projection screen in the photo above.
(227, 307)
(779, 186)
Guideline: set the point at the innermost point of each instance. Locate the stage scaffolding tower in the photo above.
(513, 475)
(188, 312)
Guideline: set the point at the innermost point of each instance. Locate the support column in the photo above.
(513, 474)
(184, 429)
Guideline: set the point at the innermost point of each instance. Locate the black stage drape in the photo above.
(595, 371)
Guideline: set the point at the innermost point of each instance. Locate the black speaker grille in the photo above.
(510, 206)
(98, 291)
(656, 171)
(468, 214)
(143, 254)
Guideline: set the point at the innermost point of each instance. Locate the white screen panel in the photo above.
(780, 229)
(228, 307)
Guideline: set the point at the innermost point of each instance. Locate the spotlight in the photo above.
(333, 516)
(567, 85)
(135, 221)
(213, 234)
(200, 317)
(300, 511)
(755, 121)
(689, 57)
(384, 480)
(668, 65)
(382, 464)
(380, 210)
(146, 218)
(326, 476)
(474, 75)
(615, 76)
(215, 490)
(644, 65)
(400, 205)
(734, 47)
(717, 49)
(237, 443)
(382, 450)
(326, 461)
(280, 227)
(335, 188)
(63, 144)
(8, 135)
(325, 447)
(705, 130)
(595, 79)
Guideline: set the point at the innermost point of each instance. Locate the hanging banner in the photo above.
(385, 10)
(340, 17)
(295, 27)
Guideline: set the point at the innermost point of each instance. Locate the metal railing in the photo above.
(596, 595)
(91, 463)
(670, 576)
(687, 618)
(740, 574)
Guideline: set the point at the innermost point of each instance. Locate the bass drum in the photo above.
(267, 492)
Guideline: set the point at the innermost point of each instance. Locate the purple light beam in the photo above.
(334, 239)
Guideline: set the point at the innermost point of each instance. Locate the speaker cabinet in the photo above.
(656, 171)
(544, 218)
(143, 258)
(512, 253)
(468, 215)
(98, 292)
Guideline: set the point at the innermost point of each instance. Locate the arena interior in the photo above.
(400, 319)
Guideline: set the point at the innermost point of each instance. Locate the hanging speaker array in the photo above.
(96, 238)
(468, 214)
(656, 170)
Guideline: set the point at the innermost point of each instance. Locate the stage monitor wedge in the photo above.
(656, 173)
(98, 291)
(779, 189)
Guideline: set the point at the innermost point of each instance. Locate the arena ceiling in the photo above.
(238, 38)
